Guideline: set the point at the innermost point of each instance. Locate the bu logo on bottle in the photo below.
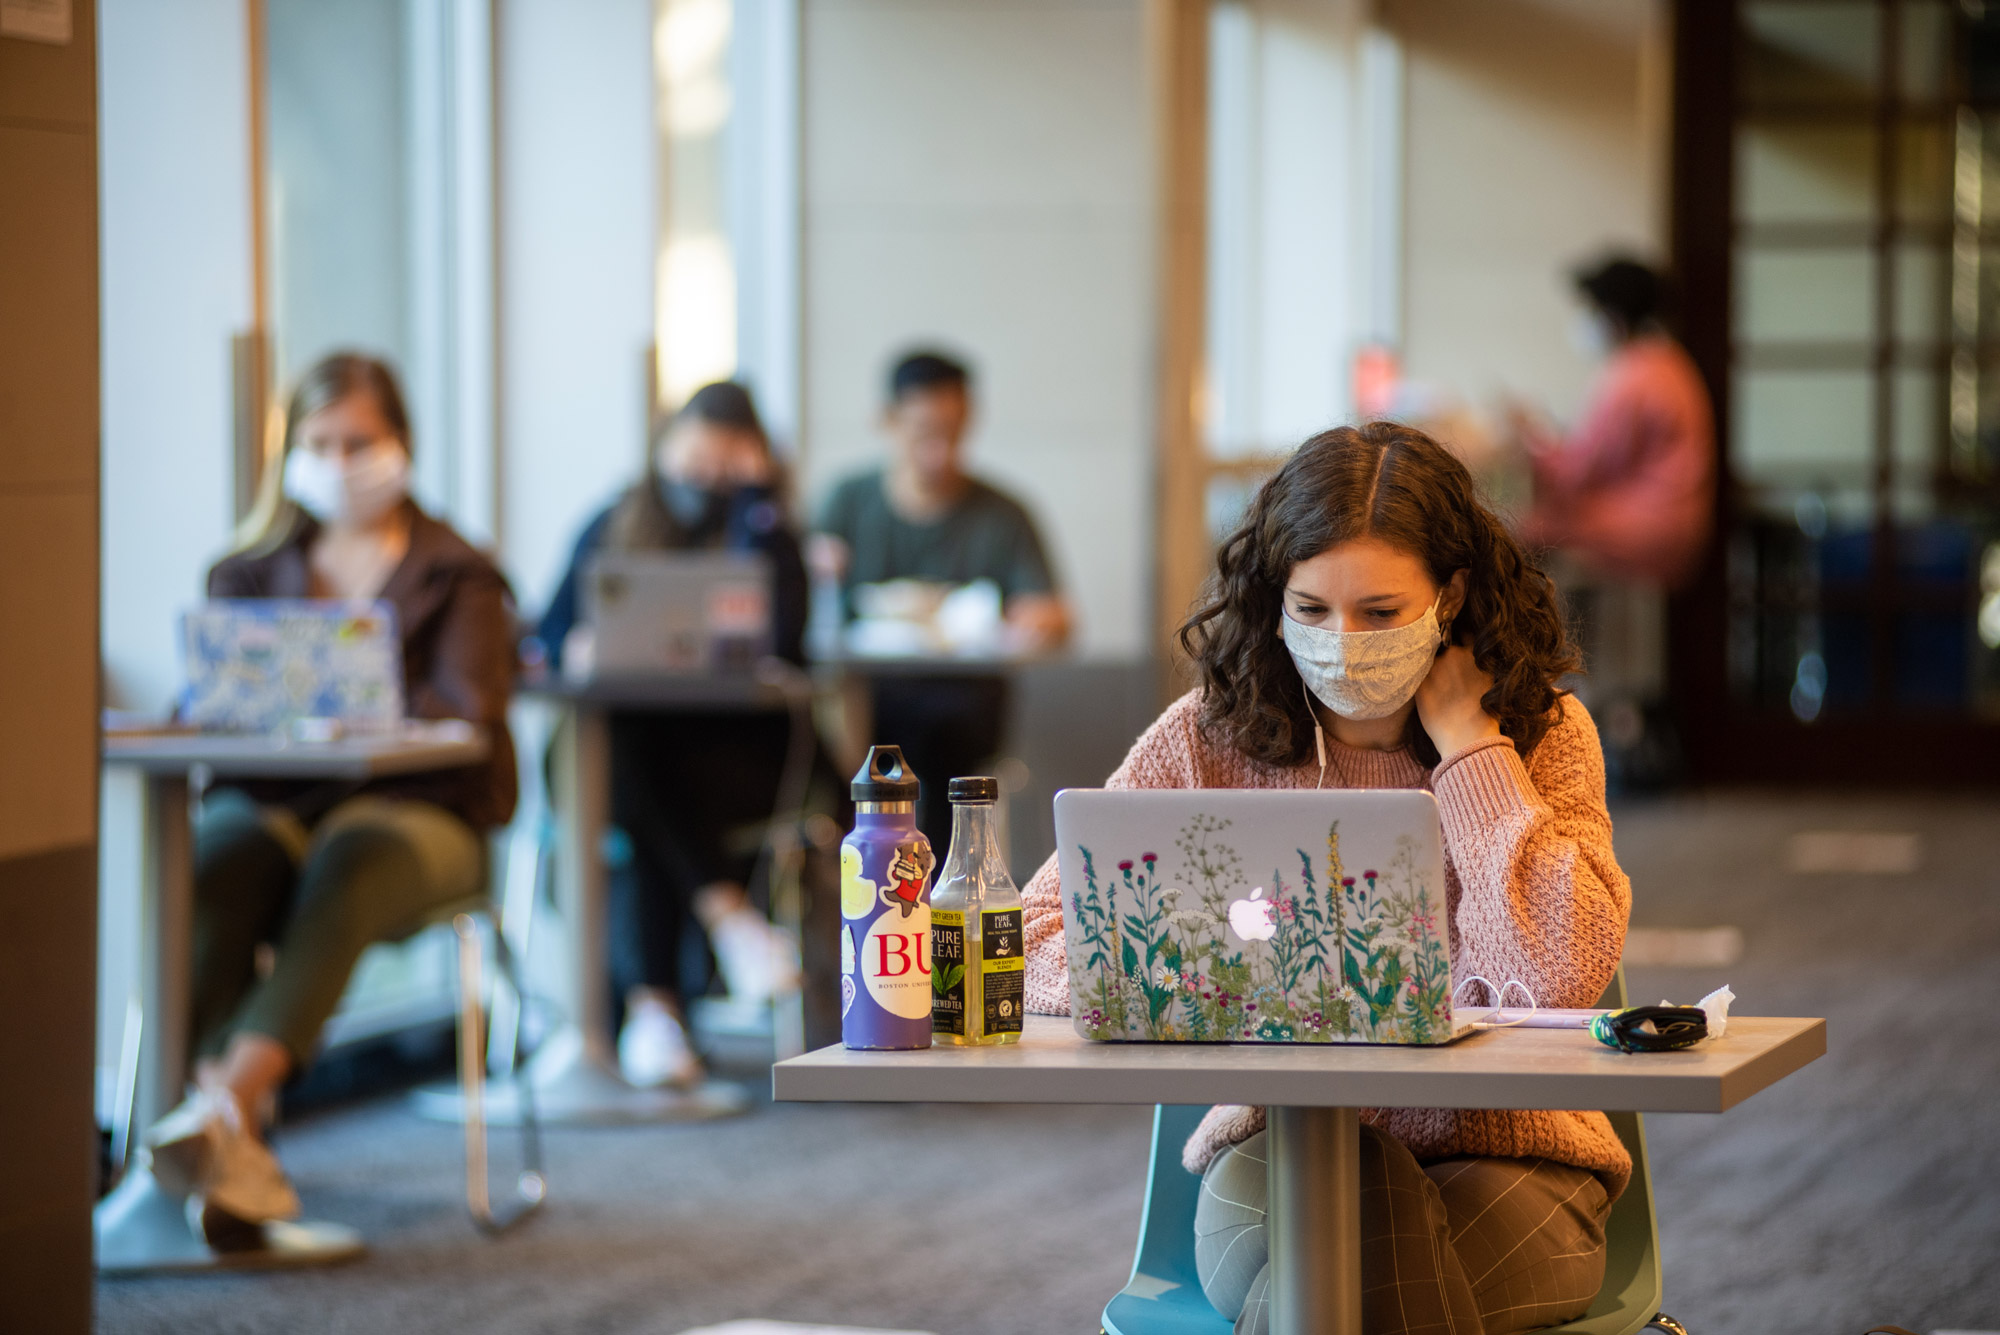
(896, 962)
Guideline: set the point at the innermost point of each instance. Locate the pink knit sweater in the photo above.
(1534, 893)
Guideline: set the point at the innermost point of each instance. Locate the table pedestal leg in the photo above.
(166, 916)
(139, 1227)
(575, 1072)
(1315, 1221)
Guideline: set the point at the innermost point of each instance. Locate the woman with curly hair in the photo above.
(1372, 625)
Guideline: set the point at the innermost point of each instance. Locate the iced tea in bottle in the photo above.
(977, 968)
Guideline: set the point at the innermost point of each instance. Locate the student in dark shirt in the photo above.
(683, 784)
(924, 517)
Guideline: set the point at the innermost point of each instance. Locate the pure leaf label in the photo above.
(947, 971)
(1002, 969)
(1000, 935)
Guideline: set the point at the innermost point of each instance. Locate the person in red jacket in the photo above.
(1630, 491)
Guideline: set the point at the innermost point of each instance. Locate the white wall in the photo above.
(336, 182)
(1304, 201)
(977, 175)
(576, 236)
(763, 171)
(174, 174)
(174, 255)
(1531, 145)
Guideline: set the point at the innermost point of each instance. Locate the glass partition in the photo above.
(1864, 343)
(377, 206)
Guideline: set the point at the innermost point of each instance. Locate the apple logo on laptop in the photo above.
(1251, 918)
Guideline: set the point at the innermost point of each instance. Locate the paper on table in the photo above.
(1550, 1017)
(754, 1327)
(1715, 1005)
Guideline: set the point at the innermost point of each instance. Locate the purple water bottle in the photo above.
(885, 911)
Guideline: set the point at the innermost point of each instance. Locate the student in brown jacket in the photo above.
(322, 869)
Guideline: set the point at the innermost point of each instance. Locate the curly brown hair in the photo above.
(1397, 485)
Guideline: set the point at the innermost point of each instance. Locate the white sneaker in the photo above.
(758, 961)
(202, 1149)
(653, 1049)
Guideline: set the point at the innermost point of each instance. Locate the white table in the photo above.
(1315, 1095)
(138, 1226)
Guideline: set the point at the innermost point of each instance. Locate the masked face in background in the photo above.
(703, 466)
(347, 465)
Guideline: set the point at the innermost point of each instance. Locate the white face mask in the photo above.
(1364, 674)
(355, 489)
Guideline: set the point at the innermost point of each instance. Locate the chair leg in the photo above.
(127, 1098)
(521, 885)
(524, 1091)
(1661, 1321)
(530, 1188)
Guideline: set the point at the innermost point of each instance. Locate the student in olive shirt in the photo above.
(923, 517)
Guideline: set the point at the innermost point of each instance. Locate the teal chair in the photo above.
(1164, 1297)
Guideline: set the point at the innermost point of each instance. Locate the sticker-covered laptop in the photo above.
(1241, 916)
(258, 664)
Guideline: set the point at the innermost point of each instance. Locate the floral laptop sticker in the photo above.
(1240, 916)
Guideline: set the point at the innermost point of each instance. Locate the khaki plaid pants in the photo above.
(1461, 1246)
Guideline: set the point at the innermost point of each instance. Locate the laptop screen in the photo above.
(258, 664)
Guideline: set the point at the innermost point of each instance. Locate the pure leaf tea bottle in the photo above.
(977, 969)
(885, 911)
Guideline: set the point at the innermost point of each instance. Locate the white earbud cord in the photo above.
(1319, 735)
(1499, 1001)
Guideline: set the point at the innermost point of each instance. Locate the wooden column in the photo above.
(1178, 60)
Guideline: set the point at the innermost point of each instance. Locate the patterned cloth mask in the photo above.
(1364, 674)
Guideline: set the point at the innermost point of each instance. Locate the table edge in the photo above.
(802, 1080)
(413, 758)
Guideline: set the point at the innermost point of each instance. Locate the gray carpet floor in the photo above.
(1865, 1189)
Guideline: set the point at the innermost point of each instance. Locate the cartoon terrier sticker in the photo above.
(907, 873)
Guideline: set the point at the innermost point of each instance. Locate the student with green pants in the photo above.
(318, 870)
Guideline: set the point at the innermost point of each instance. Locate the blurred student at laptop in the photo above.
(1627, 499)
(682, 783)
(923, 517)
(322, 869)
(1372, 625)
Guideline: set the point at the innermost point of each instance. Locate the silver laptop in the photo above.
(1222, 915)
(260, 664)
(679, 612)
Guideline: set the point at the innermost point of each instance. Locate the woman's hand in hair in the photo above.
(1449, 702)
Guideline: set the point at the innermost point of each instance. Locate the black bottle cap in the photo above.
(885, 777)
(978, 788)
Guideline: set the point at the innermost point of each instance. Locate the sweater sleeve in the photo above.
(1542, 899)
(1167, 755)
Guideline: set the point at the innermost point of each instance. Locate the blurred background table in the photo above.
(138, 1227)
(575, 1070)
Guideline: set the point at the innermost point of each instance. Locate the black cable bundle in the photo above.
(1651, 1028)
